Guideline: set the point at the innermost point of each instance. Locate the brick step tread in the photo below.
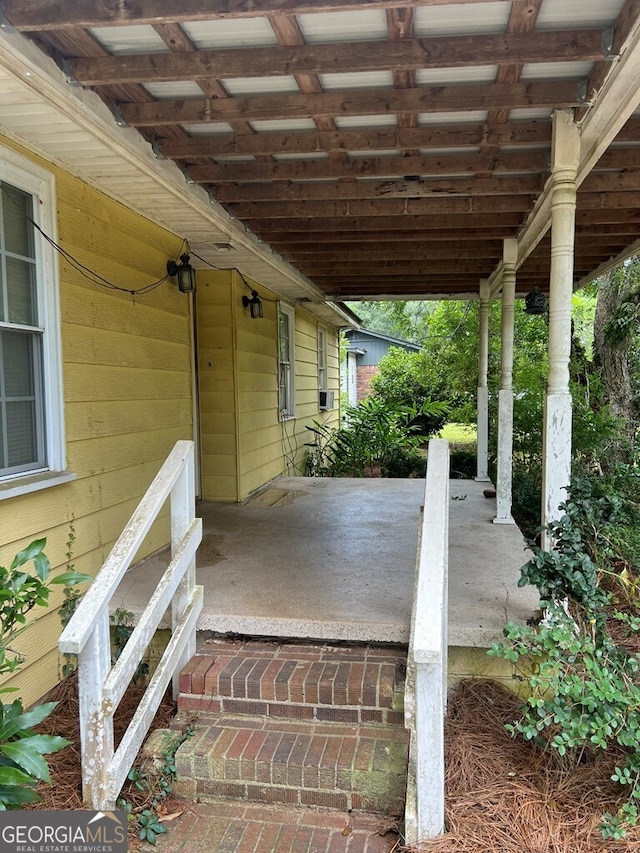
(227, 827)
(289, 674)
(295, 762)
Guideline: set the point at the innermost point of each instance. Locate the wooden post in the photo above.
(96, 721)
(482, 470)
(505, 395)
(183, 511)
(556, 454)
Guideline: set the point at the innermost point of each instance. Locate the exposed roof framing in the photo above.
(383, 148)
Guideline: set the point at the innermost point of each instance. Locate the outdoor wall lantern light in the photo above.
(254, 304)
(185, 273)
(535, 303)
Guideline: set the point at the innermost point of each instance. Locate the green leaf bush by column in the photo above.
(582, 675)
(22, 750)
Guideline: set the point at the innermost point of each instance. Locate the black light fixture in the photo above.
(185, 273)
(254, 304)
(535, 302)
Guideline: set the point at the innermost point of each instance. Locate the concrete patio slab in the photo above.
(334, 559)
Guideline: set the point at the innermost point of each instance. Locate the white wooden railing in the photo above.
(102, 686)
(426, 687)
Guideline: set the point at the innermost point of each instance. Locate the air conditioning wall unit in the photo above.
(326, 400)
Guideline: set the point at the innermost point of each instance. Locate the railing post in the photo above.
(96, 720)
(426, 687)
(183, 510)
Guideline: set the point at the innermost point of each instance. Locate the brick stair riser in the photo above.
(293, 711)
(327, 677)
(335, 766)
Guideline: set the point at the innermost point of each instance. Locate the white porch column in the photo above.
(556, 452)
(482, 474)
(505, 395)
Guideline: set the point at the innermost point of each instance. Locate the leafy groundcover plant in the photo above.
(579, 659)
(22, 750)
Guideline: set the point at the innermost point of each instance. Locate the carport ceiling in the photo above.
(384, 148)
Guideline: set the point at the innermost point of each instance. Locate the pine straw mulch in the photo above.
(505, 795)
(65, 791)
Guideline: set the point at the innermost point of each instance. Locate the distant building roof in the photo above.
(360, 336)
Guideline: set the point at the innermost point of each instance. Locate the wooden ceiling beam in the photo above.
(343, 57)
(29, 15)
(456, 136)
(497, 186)
(347, 225)
(285, 241)
(425, 99)
(365, 167)
(378, 251)
(379, 207)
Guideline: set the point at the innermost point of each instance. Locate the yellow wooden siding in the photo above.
(128, 397)
(217, 386)
(240, 427)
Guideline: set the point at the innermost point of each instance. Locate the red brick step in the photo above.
(300, 763)
(226, 827)
(330, 683)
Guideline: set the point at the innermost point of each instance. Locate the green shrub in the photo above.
(22, 751)
(375, 436)
(401, 463)
(584, 683)
(463, 464)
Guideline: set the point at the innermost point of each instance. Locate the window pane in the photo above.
(18, 365)
(20, 401)
(18, 231)
(21, 292)
(284, 337)
(21, 433)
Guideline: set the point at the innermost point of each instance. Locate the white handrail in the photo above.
(426, 688)
(101, 686)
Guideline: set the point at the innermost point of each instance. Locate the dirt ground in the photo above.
(503, 795)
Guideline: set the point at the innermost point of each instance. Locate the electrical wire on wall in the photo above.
(290, 448)
(86, 272)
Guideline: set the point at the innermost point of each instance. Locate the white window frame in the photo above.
(288, 410)
(38, 182)
(323, 339)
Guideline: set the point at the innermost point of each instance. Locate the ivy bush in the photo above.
(583, 681)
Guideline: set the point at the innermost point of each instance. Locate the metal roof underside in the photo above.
(364, 149)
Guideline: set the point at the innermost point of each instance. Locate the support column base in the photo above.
(505, 450)
(508, 520)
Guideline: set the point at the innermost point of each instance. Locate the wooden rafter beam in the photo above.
(364, 167)
(417, 251)
(343, 57)
(499, 186)
(456, 136)
(426, 99)
(378, 207)
(52, 14)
